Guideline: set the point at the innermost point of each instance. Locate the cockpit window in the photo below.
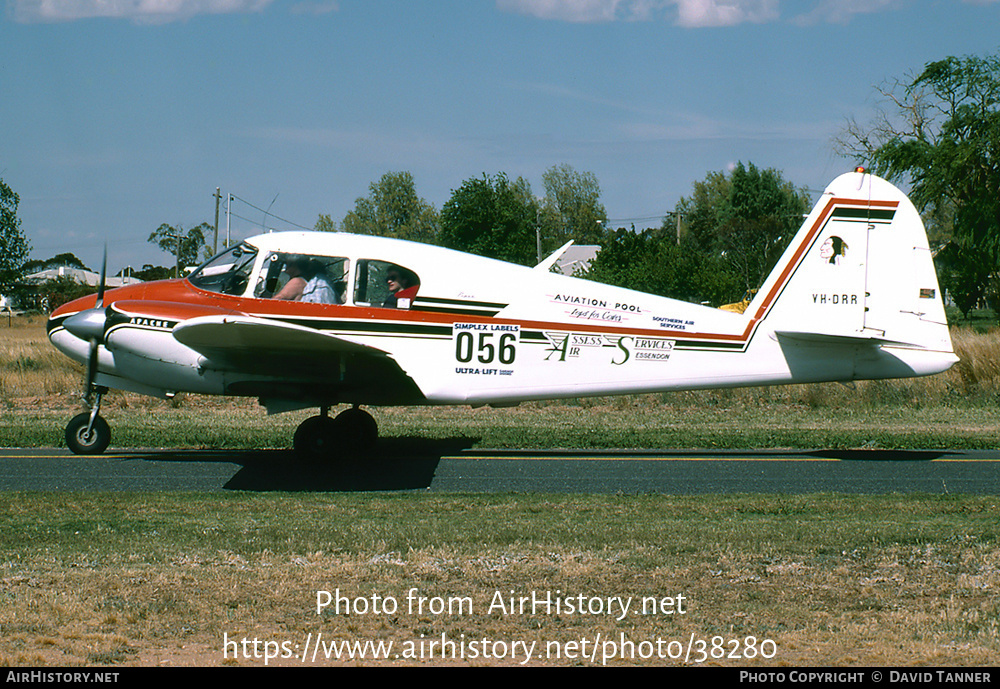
(303, 277)
(228, 272)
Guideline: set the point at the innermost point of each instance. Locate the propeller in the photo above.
(89, 325)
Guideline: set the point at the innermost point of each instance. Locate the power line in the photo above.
(266, 213)
(661, 216)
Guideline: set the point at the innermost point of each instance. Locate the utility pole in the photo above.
(177, 234)
(538, 235)
(677, 215)
(215, 243)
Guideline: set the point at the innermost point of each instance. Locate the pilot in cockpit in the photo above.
(403, 285)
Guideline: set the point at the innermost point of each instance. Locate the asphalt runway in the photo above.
(452, 466)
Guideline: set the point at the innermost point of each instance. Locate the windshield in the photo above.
(228, 272)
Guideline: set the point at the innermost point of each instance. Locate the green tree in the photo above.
(649, 261)
(963, 274)
(736, 227)
(324, 223)
(64, 259)
(745, 220)
(150, 272)
(393, 209)
(14, 246)
(187, 246)
(492, 216)
(62, 289)
(572, 208)
(940, 131)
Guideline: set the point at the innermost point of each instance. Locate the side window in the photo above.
(380, 283)
(303, 277)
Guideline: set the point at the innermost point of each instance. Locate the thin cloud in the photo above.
(315, 7)
(710, 13)
(685, 13)
(139, 11)
(582, 11)
(843, 11)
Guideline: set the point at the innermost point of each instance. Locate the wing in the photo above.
(298, 362)
(258, 345)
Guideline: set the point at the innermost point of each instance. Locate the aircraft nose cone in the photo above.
(87, 325)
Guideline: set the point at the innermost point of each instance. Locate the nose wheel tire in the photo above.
(87, 442)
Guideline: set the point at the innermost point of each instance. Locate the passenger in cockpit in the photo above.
(307, 282)
(295, 266)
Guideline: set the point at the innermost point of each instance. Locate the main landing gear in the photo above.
(349, 434)
(88, 433)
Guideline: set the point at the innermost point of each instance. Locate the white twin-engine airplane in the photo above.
(307, 319)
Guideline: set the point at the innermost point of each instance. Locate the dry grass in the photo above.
(30, 366)
(831, 580)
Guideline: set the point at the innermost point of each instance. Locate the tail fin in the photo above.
(860, 271)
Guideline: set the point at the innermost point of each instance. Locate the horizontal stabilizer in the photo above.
(859, 338)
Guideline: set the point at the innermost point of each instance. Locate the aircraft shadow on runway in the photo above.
(406, 463)
(880, 455)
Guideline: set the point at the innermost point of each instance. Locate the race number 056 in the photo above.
(484, 348)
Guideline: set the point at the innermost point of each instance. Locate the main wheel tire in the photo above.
(316, 439)
(356, 430)
(83, 443)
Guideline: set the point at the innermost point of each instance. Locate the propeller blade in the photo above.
(91, 367)
(90, 324)
(104, 273)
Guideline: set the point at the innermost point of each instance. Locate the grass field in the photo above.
(817, 580)
(813, 580)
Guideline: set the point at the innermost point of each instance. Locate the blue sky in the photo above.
(119, 115)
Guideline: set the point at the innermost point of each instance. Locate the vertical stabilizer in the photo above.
(859, 271)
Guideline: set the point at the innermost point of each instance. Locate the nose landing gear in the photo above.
(88, 433)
